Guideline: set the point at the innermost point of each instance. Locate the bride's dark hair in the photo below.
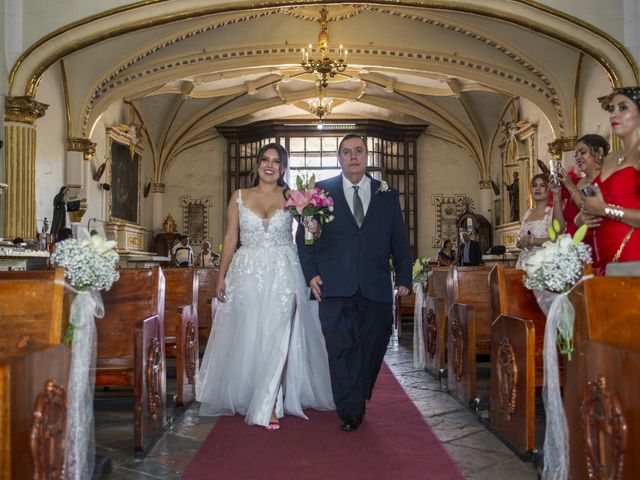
(284, 163)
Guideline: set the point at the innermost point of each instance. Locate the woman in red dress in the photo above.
(590, 153)
(614, 210)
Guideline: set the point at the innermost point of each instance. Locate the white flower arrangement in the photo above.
(383, 187)
(88, 264)
(552, 271)
(558, 265)
(420, 270)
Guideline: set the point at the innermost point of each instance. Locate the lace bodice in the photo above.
(264, 232)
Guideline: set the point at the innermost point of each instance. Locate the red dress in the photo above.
(620, 188)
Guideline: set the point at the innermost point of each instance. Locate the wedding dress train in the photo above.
(266, 348)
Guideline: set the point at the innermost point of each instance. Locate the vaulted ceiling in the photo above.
(454, 66)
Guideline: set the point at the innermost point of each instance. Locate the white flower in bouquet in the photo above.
(89, 264)
(420, 270)
(557, 267)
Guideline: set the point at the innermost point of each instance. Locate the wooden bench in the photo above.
(468, 327)
(34, 368)
(181, 327)
(207, 279)
(131, 348)
(602, 392)
(517, 334)
(404, 306)
(434, 320)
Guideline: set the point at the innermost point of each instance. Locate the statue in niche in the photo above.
(514, 198)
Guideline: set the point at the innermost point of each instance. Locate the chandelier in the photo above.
(321, 105)
(324, 66)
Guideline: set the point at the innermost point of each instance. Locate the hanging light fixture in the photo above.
(320, 106)
(324, 66)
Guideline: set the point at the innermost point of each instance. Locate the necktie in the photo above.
(358, 209)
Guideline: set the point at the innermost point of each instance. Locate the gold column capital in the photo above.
(84, 145)
(605, 101)
(158, 187)
(559, 145)
(485, 184)
(23, 110)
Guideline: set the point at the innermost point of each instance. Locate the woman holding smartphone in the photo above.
(615, 207)
(568, 197)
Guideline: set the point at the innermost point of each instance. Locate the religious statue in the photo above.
(61, 205)
(514, 198)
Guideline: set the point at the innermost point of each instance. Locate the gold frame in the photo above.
(119, 135)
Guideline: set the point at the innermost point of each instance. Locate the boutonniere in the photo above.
(383, 187)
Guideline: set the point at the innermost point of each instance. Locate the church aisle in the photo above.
(476, 452)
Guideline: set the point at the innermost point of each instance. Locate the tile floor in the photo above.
(478, 454)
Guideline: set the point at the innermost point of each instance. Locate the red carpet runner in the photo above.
(393, 442)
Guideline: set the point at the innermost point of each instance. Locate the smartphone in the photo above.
(589, 190)
(554, 167)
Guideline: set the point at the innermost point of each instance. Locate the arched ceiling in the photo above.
(450, 65)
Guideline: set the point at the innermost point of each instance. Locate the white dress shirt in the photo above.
(364, 191)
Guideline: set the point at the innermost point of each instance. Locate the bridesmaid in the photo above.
(568, 199)
(536, 220)
(614, 210)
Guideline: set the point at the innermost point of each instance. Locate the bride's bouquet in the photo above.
(309, 202)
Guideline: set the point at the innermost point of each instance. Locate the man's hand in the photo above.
(315, 284)
(402, 291)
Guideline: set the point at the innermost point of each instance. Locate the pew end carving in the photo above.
(207, 279)
(181, 321)
(131, 349)
(601, 397)
(34, 369)
(469, 321)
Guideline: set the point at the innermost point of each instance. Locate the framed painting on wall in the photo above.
(124, 201)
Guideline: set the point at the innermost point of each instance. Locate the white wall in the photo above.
(592, 118)
(50, 145)
(196, 172)
(444, 169)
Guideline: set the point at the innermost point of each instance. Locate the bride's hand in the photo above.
(220, 291)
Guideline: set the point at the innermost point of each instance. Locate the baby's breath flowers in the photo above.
(89, 264)
(557, 267)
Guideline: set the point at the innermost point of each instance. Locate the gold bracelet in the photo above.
(614, 212)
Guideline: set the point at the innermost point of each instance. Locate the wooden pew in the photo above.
(517, 334)
(434, 320)
(181, 327)
(468, 327)
(207, 279)
(602, 392)
(404, 306)
(34, 368)
(131, 348)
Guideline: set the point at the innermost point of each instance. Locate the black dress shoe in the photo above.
(349, 424)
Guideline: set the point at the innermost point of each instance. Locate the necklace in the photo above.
(620, 160)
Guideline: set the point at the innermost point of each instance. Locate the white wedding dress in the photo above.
(266, 347)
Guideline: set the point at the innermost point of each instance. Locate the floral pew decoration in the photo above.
(90, 266)
(420, 275)
(552, 272)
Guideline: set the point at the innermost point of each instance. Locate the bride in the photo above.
(266, 353)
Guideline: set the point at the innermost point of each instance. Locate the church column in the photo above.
(485, 199)
(158, 201)
(79, 153)
(20, 114)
